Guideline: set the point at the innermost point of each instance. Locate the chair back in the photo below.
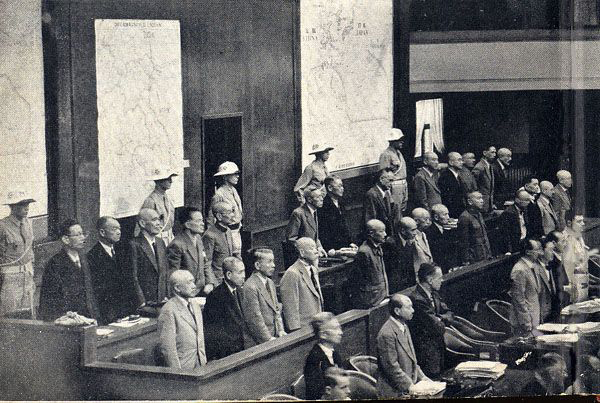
(499, 313)
(475, 332)
(278, 397)
(456, 343)
(364, 363)
(299, 388)
(362, 386)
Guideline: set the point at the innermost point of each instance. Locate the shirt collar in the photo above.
(192, 237)
(221, 227)
(262, 277)
(425, 290)
(328, 352)
(107, 248)
(399, 324)
(184, 301)
(231, 289)
(74, 256)
(311, 209)
(440, 227)
(150, 240)
(381, 190)
(12, 219)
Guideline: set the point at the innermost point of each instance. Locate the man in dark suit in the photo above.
(557, 269)
(467, 180)
(67, 282)
(224, 326)
(453, 195)
(396, 357)
(186, 251)
(485, 178)
(323, 355)
(514, 224)
(149, 265)
(180, 325)
(501, 185)
(442, 247)
(561, 199)
(371, 278)
(333, 228)
(399, 254)
(425, 183)
(430, 319)
(379, 204)
(304, 221)
(110, 279)
(473, 242)
(542, 216)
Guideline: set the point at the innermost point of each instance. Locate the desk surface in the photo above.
(119, 333)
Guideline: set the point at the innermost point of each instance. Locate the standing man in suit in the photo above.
(180, 325)
(186, 251)
(453, 195)
(531, 186)
(400, 254)
(561, 199)
(473, 242)
(110, 279)
(549, 291)
(262, 310)
(229, 174)
(467, 180)
(443, 250)
(160, 202)
(300, 288)
(524, 292)
(423, 253)
(514, 223)
(323, 354)
(333, 228)
(16, 257)
(425, 182)
(371, 278)
(391, 159)
(67, 281)
(304, 221)
(430, 320)
(542, 215)
(485, 178)
(499, 167)
(396, 357)
(469, 160)
(379, 204)
(149, 264)
(224, 325)
(218, 239)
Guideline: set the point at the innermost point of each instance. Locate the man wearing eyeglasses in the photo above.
(66, 283)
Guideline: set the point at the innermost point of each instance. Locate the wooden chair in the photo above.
(278, 397)
(477, 333)
(365, 364)
(499, 313)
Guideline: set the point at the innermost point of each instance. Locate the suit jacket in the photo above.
(453, 196)
(182, 254)
(468, 183)
(474, 245)
(149, 276)
(485, 183)
(314, 371)
(442, 247)
(218, 245)
(112, 284)
(399, 257)
(561, 201)
(524, 292)
(397, 361)
(301, 300)
(547, 293)
(224, 325)
(562, 298)
(66, 287)
(333, 229)
(501, 184)
(510, 228)
(428, 330)
(426, 190)
(380, 208)
(534, 220)
(262, 311)
(181, 335)
(303, 224)
(547, 216)
(371, 278)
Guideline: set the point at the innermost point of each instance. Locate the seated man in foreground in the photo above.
(337, 384)
(180, 325)
(398, 367)
(323, 355)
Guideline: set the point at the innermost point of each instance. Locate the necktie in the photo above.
(112, 252)
(155, 252)
(316, 225)
(237, 301)
(78, 263)
(314, 278)
(551, 281)
(191, 309)
(270, 292)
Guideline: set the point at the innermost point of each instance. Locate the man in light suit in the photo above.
(561, 200)
(371, 277)
(304, 221)
(262, 310)
(422, 250)
(450, 187)
(218, 239)
(485, 178)
(180, 325)
(396, 358)
(425, 184)
(186, 251)
(525, 314)
(149, 264)
(548, 219)
(300, 288)
(379, 204)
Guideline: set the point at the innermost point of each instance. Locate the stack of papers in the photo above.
(130, 323)
(552, 327)
(586, 327)
(102, 331)
(427, 388)
(590, 306)
(561, 338)
(481, 369)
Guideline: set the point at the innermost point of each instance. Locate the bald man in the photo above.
(468, 182)
(379, 203)
(300, 288)
(474, 245)
(423, 252)
(513, 223)
(452, 192)
(441, 241)
(469, 160)
(561, 198)
(218, 239)
(545, 219)
(371, 277)
(499, 169)
(485, 178)
(400, 252)
(425, 183)
(304, 221)
(149, 264)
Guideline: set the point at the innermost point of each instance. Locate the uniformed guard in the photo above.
(229, 174)
(391, 158)
(315, 173)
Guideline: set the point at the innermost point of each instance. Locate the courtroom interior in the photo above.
(299, 199)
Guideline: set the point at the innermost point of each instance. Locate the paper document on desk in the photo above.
(481, 369)
(427, 388)
(590, 306)
(127, 324)
(561, 338)
(552, 327)
(102, 331)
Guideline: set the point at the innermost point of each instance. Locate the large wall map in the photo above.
(347, 79)
(138, 67)
(22, 129)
